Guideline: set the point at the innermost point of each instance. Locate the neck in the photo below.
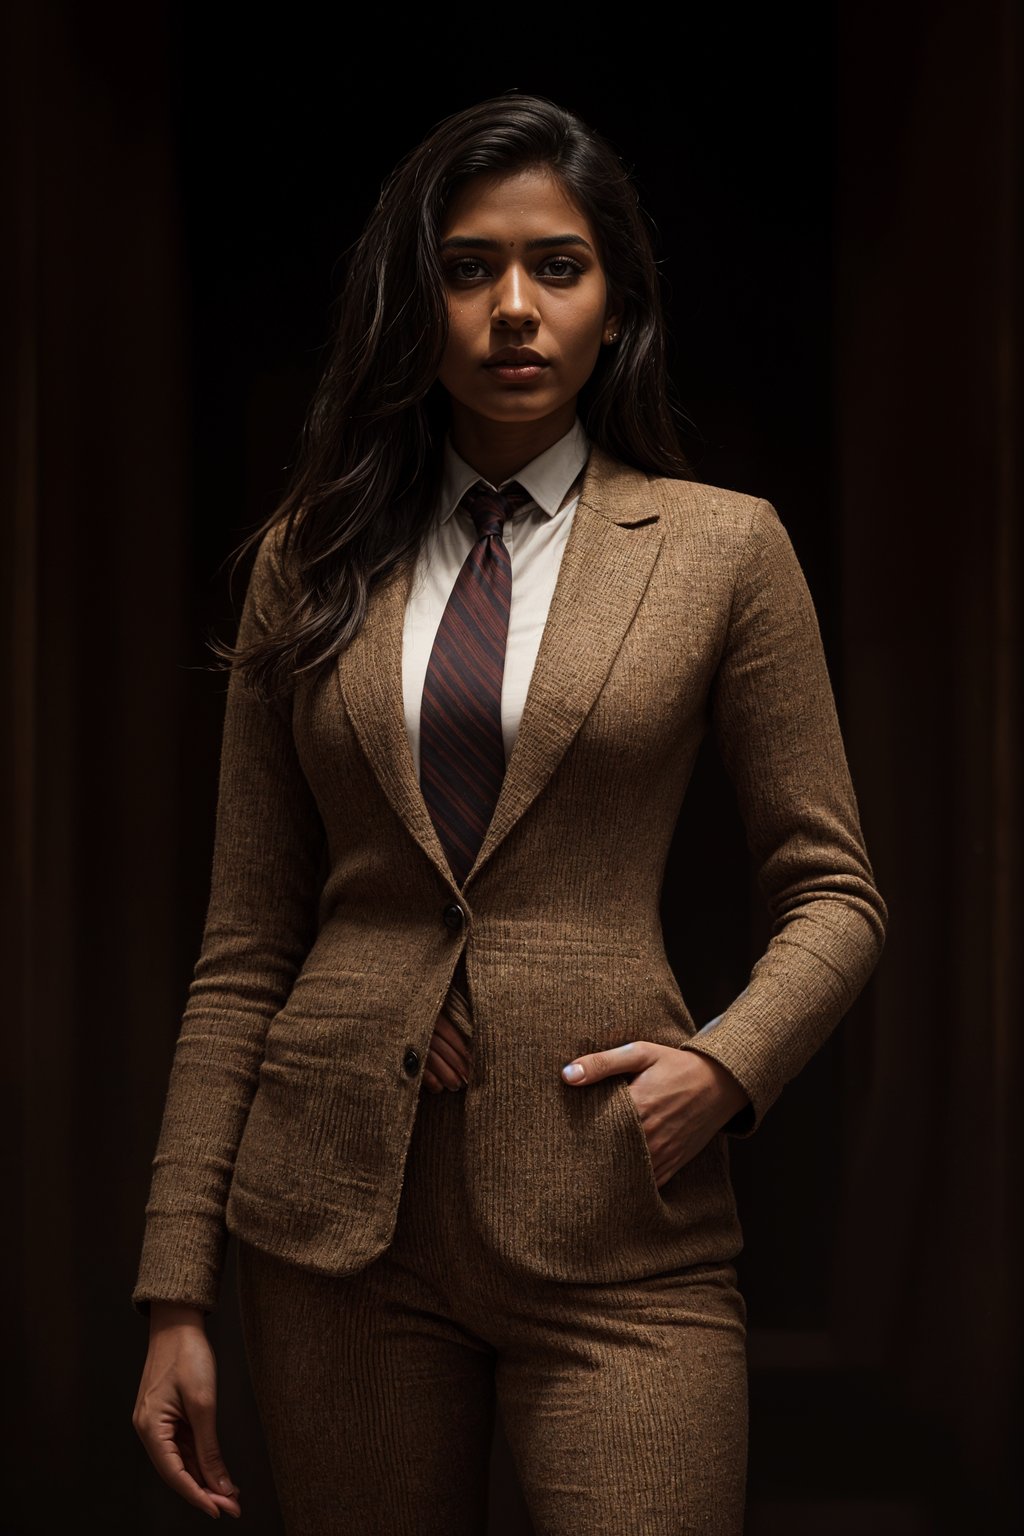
(497, 450)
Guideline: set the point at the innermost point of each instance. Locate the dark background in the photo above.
(836, 197)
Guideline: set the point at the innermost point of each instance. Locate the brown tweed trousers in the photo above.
(334, 923)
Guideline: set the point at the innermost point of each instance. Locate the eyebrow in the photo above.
(544, 243)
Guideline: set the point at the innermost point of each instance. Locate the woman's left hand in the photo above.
(682, 1098)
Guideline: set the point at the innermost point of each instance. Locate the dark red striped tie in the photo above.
(462, 751)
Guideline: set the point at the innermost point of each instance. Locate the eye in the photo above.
(466, 269)
(568, 269)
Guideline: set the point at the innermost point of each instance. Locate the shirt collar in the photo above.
(547, 477)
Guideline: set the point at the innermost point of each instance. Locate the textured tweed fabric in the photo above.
(624, 1404)
(334, 923)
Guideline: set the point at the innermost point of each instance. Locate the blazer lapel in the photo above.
(614, 541)
(613, 544)
(370, 675)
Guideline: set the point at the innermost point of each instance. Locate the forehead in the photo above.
(515, 205)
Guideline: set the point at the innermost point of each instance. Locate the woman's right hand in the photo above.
(176, 1409)
(448, 1062)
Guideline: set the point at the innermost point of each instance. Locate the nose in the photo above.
(515, 307)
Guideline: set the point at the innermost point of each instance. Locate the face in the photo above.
(528, 302)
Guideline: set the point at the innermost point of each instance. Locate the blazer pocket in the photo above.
(697, 1167)
(321, 1127)
(638, 1134)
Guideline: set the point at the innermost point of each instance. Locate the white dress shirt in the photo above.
(535, 538)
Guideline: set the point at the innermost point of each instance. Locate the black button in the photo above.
(453, 915)
(411, 1062)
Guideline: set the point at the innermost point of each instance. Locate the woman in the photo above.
(483, 638)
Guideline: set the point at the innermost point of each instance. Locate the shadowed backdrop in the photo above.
(836, 199)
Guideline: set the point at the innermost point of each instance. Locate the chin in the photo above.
(517, 407)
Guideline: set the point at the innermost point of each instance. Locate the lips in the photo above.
(516, 357)
(516, 367)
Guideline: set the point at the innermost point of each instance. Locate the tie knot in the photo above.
(489, 509)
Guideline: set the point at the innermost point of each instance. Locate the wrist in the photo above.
(730, 1095)
(733, 1098)
(175, 1314)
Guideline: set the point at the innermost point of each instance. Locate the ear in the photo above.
(612, 329)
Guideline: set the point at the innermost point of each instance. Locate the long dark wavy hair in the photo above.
(361, 494)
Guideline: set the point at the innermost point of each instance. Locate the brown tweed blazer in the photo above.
(334, 923)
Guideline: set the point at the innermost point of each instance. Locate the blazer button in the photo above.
(454, 916)
(411, 1062)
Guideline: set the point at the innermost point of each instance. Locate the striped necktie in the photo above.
(462, 750)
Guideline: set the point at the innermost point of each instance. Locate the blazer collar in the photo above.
(613, 545)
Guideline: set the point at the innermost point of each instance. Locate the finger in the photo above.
(447, 1064)
(187, 1449)
(449, 1077)
(590, 1069)
(202, 1414)
(454, 1060)
(457, 1045)
(431, 1081)
(187, 1452)
(227, 1506)
(163, 1453)
(452, 1031)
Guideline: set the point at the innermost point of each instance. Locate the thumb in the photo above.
(211, 1463)
(598, 1064)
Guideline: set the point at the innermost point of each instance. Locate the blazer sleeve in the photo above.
(775, 721)
(260, 923)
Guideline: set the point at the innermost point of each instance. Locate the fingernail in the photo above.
(573, 1072)
(226, 1485)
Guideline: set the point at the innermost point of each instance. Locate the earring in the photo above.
(612, 336)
